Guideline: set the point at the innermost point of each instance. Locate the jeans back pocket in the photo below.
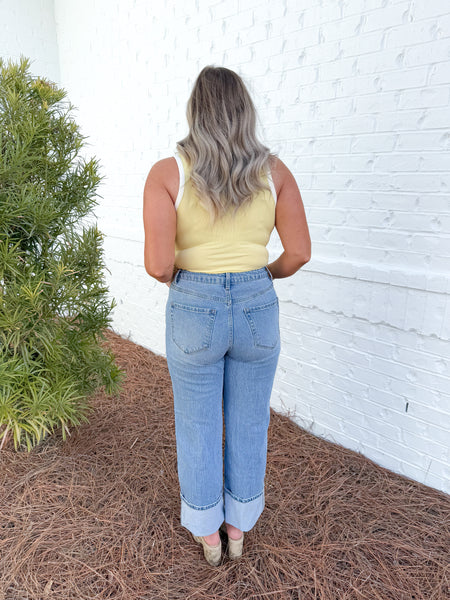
(192, 326)
(264, 324)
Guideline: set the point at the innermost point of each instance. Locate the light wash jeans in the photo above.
(222, 347)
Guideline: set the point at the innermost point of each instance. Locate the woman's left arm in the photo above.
(160, 221)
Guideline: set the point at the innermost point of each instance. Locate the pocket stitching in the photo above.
(177, 288)
(199, 309)
(248, 314)
(211, 312)
(262, 307)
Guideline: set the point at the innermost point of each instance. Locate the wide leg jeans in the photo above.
(222, 347)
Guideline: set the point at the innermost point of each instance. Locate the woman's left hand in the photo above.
(175, 270)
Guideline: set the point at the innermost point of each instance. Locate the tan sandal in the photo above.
(212, 553)
(235, 547)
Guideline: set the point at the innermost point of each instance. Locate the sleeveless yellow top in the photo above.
(228, 245)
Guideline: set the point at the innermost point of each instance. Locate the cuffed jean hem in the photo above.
(202, 521)
(243, 514)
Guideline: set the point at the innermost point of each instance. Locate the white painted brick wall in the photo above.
(28, 27)
(354, 96)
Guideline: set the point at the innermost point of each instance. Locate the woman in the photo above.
(208, 215)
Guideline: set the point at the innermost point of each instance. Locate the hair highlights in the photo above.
(227, 161)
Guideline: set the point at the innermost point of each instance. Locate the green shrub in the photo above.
(53, 300)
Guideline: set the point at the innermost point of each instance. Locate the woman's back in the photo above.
(232, 243)
(222, 168)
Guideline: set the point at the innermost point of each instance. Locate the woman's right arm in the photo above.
(290, 222)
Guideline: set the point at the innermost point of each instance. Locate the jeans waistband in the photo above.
(223, 278)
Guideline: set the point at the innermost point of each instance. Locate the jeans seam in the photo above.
(238, 276)
(220, 299)
(195, 507)
(196, 294)
(255, 295)
(243, 500)
(262, 307)
(195, 309)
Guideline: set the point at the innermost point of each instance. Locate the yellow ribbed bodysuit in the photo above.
(230, 245)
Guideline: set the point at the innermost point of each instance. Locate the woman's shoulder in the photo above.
(280, 173)
(165, 166)
(165, 171)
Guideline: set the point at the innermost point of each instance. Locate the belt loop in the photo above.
(175, 279)
(227, 280)
(270, 274)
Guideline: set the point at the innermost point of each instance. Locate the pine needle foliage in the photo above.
(54, 303)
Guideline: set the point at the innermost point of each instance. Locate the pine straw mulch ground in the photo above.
(97, 516)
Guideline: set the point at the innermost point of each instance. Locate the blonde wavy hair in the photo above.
(227, 161)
